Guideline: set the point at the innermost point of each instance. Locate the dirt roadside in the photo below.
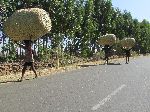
(29, 75)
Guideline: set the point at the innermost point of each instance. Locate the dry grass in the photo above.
(50, 71)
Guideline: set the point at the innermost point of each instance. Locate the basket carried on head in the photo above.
(108, 39)
(127, 43)
(27, 24)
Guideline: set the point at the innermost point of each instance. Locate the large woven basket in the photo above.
(127, 43)
(108, 39)
(27, 24)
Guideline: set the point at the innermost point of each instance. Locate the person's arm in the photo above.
(34, 53)
(103, 48)
(20, 45)
(123, 49)
(130, 49)
(111, 46)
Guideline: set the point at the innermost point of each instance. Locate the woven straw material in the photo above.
(127, 42)
(27, 24)
(108, 39)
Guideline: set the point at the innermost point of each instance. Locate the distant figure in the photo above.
(28, 59)
(107, 49)
(127, 54)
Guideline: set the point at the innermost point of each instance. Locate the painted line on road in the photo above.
(102, 102)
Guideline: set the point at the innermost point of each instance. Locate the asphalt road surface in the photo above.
(102, 88)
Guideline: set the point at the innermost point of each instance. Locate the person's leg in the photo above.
(33, 69)
(126, 60)
(107, 59)
(23, 72)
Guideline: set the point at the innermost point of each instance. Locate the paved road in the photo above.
(102, 88)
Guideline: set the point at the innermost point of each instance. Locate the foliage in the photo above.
(82, 22)
(9, 50)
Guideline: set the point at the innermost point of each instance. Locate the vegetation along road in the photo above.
(102, 88)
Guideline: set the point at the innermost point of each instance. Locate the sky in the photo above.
(139, 9)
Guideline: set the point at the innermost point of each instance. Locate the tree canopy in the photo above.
(82, 22)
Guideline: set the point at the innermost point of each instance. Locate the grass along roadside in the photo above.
(52, 71)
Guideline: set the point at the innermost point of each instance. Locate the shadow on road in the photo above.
(100, 64)
(114, 64)
(111, 64)
(8, 81)
(12, 81)
(86, 65)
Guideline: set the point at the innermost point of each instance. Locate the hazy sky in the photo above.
(139, 9)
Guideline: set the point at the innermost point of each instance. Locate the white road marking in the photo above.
(97, 106)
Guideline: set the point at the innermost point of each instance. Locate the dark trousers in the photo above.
(106, 59)
(127, 59)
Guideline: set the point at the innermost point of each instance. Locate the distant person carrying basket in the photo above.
(127, 44)
(107, 49)
(127, 55)
(107, 41)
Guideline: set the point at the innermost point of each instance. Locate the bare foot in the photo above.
(19, 80)
(36, 76)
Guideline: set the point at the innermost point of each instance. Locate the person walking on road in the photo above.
(127, 55)
(28, 59)
(107, 49)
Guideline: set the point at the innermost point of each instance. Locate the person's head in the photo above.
(106, 45)
(28, 43)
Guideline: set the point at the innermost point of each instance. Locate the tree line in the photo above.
(79, 23)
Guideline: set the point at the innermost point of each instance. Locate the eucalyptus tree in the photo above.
(117, 22)
(144, 39)
(136, 34)
(88, 27)
(79, 14)
(6, 9)
(103, 14)
(69, 24)
(57, 11)
(128, 23)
